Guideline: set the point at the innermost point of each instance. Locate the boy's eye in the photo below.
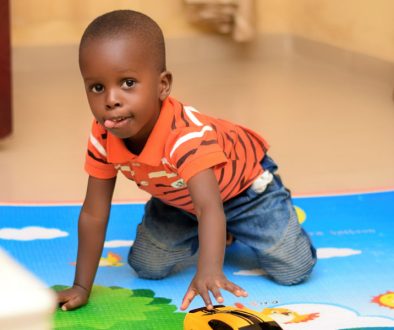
(98, 88)
(128, 83)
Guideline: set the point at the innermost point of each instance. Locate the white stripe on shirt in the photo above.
(189, 112)
(97, 145)
(188, 137)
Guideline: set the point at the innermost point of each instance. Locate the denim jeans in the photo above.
(265, 221)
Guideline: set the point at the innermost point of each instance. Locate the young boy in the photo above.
(206, 176)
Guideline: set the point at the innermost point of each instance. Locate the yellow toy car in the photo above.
(228, 318)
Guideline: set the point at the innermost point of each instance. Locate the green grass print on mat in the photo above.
(120, 308)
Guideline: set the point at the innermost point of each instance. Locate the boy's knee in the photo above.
(150, 274)
(153, 271)
(295, 272)
(290, 268)
(288, 279)
(293, 259)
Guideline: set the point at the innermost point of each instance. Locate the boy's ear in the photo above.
(165, 84)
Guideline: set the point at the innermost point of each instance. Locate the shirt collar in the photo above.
(153, 151)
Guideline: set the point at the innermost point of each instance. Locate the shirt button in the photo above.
(144, 183)
(135, 164)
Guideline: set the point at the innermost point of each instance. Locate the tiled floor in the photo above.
(330, 122)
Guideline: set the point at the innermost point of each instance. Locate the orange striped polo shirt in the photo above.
(182, 143)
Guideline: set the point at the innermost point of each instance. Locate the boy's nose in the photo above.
(112, 105)
(112, 101)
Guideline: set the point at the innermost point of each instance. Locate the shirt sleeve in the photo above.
(96, 163)
(192, 150)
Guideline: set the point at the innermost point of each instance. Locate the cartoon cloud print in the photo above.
(327, 253)
(31, 233)
(118, 243)
(325, 316)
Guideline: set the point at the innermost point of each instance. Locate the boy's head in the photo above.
(128, 24)
(122, 62)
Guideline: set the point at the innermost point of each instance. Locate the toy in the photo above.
(228, 318)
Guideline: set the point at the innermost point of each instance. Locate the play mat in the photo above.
(352, 286)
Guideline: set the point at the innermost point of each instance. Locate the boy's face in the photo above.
(124, 88)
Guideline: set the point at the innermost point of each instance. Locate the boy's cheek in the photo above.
(94, 108)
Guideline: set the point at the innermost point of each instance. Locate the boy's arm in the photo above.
(207, 202)
(92, 225)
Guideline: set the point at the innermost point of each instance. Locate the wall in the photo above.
(54, 22)
(364, 26)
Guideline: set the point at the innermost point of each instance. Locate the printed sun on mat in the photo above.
(385, 299)
(111, 260)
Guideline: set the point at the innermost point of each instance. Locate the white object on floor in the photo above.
(25, 302)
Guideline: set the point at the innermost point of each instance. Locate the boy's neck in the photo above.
(134, 147)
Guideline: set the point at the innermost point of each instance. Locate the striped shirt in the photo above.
(182, 143)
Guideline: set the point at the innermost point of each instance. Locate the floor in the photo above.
(327, 114)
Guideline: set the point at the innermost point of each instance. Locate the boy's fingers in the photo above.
(207, 299)
(218, 296)
(239, 292)
(62, 297)
(188, 298)
(72, 304)
(236, 290)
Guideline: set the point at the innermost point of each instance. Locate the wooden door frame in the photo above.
(5, 70)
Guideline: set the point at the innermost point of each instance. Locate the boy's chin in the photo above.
(120, 135)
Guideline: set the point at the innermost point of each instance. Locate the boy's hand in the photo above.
(72, 298)
(203, 284)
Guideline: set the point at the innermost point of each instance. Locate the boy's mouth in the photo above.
(116, 122)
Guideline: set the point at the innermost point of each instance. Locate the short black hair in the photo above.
(128, 23)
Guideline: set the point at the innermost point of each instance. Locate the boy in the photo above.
(206, 176)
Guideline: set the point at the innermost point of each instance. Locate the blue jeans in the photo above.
(266, 222)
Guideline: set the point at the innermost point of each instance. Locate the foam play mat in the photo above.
(352, 286)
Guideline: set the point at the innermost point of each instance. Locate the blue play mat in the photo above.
(352, 286)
